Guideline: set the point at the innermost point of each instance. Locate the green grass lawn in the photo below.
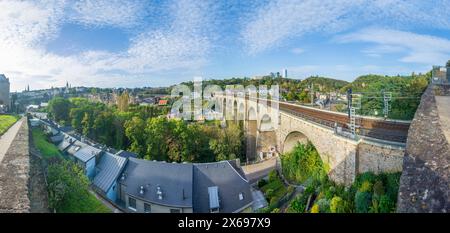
(83, 205)
(6, 121)
(47, 149)
(86, 203)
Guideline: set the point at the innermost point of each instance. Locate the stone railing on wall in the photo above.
(424, 184)
(14, 174)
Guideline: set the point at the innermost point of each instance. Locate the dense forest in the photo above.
(370, 193)
(405, 91)
(146, 131)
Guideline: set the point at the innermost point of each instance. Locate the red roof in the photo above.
(162, 102)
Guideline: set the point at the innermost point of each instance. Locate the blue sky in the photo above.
(157, 43)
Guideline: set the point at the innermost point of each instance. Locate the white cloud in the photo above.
(27, 23)
(26, 26)
(284, 19)
(118, 13)
(297, 50)
(280, 20)
(415, 48)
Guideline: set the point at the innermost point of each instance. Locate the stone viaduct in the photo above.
(270, 131)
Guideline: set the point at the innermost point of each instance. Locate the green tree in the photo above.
(66, 183)
(86, 124)
(135, 131)
(59, 108)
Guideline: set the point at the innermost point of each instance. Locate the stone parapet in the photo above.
(14, 174)
(424, 184)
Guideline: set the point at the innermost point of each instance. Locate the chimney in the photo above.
(159, 193)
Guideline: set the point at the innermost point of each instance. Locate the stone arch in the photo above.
(224, 107)
(235, 110)
(266, 123)
(251, 134)
(251, 114)
(291, 140)
(241, 111)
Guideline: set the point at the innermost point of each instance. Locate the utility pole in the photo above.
(312, 94)
(387, 96)
(353, 105)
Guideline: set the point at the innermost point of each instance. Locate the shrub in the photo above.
(269, 193)
(392, 183)
(298, 205)
(362, 202)
(290, 189)
(378, 188)
(366, 186)
(261, 183)
(276, 210)
(375, 208)
(386, 205)
(315, 209)
(329, 193)
(324, 205)
(303, 163)
(337, 205)
(273, 201)
(273, 176)
(366, 176)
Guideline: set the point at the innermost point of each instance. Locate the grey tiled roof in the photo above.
(230, 184)
(126, 154)
(86, 153)
(175, 181)
(189, 180)
(65, 143)
(108, 169)
(75, 147)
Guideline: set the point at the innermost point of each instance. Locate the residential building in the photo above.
(156, 187)
(107, 172)
(160, 187)
(86, 156)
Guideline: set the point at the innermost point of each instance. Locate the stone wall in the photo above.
(424, 184)
(337, 151)
(14, 174)
(379, 158)
(345, 157)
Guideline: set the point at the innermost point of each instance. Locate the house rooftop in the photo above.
(126, 154)
(202, 186)
(232, 188)
(86, 153)
(174, 180)
(108, 170)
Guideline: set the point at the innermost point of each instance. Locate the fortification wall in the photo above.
(14, 174)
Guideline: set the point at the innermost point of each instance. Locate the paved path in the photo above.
(257, 171)
(7, 138)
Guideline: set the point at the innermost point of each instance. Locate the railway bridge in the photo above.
(275, 127)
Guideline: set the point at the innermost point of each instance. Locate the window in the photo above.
(175, 211)
(132, 203)
(147, 208)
